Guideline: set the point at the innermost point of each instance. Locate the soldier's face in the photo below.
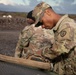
(47, 21)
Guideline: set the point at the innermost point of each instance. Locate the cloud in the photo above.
(66, 7)
(60, 6)
(26, 2)
(18, 8)
(29, 5)
(7, 2)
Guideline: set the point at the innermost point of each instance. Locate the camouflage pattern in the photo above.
(39, 10)
(32, 41)
(63, 51)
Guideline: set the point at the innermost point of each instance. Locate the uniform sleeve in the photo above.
(64, 41)
(23, 41)
(18, 50)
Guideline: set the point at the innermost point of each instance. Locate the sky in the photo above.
(59, 6)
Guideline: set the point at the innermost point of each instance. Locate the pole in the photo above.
(25, 62)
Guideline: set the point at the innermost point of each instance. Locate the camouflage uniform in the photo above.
(31, 41)
(63, 51)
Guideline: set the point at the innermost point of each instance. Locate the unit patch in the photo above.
(62, 33)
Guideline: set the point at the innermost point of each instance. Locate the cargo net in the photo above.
(14, 69)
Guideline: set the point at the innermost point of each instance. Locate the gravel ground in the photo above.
(8, 41)
(12, 69)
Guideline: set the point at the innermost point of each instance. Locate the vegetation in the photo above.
(14, 14)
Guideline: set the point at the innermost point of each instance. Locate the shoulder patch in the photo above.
(62, 33)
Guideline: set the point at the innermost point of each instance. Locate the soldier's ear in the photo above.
(47, 11)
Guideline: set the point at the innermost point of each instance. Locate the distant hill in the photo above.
(73, 16)
(21, 14)
(18, 20)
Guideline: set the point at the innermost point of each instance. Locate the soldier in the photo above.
(32, 40)
(63, 51)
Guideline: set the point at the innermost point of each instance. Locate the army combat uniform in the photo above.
(32, 41)
(63, 51)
